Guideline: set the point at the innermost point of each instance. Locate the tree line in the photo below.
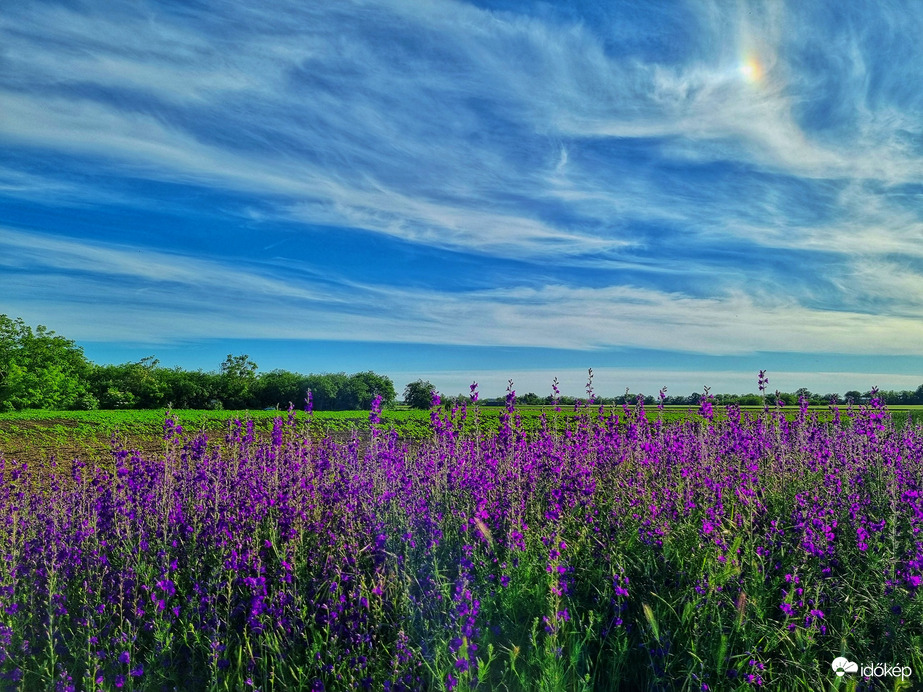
(890, 397)
(41, 369)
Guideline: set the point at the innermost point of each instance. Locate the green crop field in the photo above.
(37, 434)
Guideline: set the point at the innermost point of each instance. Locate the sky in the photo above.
(674, 194)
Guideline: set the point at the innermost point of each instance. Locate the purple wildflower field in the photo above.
(609, 550)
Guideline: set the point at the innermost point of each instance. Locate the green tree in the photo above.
(349, 393)
(189, 388)
(917, 396)
(279, 387)
(529, 399)
(786, 398)
(132, 385)
(148, 383)
(419, 394)
(368, 384)
(326, 390)
(39, 369)
(238, 380)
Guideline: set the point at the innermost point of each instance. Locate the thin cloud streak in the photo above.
(149, 268)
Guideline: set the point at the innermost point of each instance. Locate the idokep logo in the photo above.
(842, 665)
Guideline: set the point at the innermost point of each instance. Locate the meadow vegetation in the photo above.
(609, 548)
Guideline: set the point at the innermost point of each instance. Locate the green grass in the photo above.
(39, 433)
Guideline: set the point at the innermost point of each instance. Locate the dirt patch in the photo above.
(37, 441)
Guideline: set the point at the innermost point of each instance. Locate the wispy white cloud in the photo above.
(500, 134)
(338, 149)
(28, 250)
(743, 100)
(246, 302)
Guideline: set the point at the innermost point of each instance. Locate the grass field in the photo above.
(483, 548)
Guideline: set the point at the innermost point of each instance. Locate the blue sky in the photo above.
(674, 194)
